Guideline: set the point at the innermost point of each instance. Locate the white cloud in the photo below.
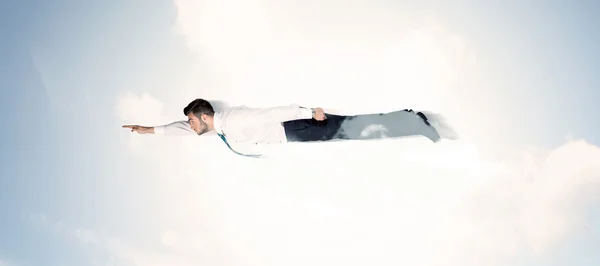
(315, 52)
(132, 109)
(352, 203)
(533, 206)
(441, 199)
(141, 109)
(121, 252)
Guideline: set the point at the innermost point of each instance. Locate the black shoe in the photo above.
(424, 118)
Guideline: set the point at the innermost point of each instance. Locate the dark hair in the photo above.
(199, 107)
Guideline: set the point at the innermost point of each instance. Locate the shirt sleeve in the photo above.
(178, 128)
(272, 114)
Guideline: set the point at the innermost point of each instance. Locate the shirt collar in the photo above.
(217, 123)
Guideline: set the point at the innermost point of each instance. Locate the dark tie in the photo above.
(225, 140)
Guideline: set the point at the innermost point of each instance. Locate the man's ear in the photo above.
(203, 117)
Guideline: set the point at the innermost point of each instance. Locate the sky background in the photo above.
(517, 80)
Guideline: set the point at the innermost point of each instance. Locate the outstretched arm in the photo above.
(140, 129)
(178, 128)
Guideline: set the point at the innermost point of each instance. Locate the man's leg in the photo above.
(313, 130)
(396, 124)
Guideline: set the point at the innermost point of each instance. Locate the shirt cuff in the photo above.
(159, 130)
(305, 113)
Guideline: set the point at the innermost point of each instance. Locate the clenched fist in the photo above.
(319, 114)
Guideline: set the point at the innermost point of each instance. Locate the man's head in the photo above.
(200, 114)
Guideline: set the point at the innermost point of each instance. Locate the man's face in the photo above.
(197, 125)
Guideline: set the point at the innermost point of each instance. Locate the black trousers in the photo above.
(395, 124)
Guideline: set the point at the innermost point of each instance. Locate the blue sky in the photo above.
(64, 65)
(61, 133)
(546, 49)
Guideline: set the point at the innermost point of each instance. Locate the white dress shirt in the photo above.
(247, 129)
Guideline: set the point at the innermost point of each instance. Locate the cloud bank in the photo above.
(427, 205)
(344, 203)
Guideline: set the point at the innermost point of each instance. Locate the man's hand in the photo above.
(140, 129)
(319, 114)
